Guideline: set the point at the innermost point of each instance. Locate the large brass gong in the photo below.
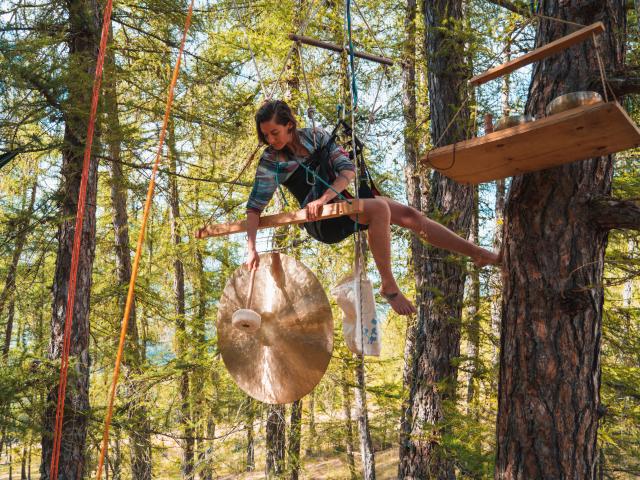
(287, 356)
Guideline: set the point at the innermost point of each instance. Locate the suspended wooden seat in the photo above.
(577, 134)
(331, 210)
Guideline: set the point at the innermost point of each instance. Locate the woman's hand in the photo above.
(314, 209)
(253, 259)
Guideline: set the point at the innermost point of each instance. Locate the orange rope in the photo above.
(136, 261)
(77, 241)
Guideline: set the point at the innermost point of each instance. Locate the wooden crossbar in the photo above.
(538, 54)
(338, 48)
(331, 210)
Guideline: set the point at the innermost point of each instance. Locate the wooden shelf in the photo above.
(330, 210)
(577, 134)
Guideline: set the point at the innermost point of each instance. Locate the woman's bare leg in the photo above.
(377, 215)
(437, 234)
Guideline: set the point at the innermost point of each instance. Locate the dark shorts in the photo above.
(333, 230)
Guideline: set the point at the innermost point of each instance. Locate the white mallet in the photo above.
(246, 319)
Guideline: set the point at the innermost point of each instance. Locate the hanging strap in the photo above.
(354, 87)
(136, 261)
(77, 242)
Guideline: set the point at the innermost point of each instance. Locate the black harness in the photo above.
(318, 174)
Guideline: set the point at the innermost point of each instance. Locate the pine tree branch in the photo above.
(609, 213)
(625, 85)
(514, 6)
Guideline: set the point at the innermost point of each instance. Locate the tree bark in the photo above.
(251, 462)
(181, 325)
(309, 449)
(346, 407)
(84, 23)
(294, 439)
(437, 338)
(275, 440)
(366, 447)
(414, 199)
(548, 399)
(473, 311)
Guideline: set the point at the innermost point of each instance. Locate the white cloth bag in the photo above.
(346, 295)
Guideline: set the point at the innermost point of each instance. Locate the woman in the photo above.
(284, 161)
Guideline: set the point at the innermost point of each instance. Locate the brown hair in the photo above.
(275, 110)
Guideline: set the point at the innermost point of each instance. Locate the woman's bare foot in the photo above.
(400, 304)
(486, 257)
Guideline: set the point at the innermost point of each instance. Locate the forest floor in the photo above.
(323, 467)
(334, 467)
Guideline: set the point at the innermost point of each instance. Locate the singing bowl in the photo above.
(287, 356)
(572, 100)
(512, 121)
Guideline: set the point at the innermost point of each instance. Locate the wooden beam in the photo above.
(330, 210)
(538, 54)
(338, 48)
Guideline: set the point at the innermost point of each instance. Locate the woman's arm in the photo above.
(344, 178)
(253, 218)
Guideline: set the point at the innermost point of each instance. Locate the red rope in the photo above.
(77, 240)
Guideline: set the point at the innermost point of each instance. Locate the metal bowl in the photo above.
(511, 121)
(572, 100)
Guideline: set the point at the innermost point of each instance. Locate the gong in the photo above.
(286, 357)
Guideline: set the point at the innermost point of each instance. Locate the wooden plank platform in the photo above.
(330, 210)
(577, 134)
(539, 53)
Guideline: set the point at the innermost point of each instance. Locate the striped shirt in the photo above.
(275, 167)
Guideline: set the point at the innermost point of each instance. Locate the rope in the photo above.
(354, 87)
(559, 20)
(77, 241)
(306, 85)
(364, 19)
(600, 68)
(136, 261)
(359, 267)
(253, 56)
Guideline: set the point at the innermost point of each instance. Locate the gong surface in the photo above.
(289, 354)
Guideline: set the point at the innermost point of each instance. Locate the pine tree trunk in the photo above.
(84, 24)
(437, 338)
(276, 426)
(251, 462)
(203, 415)
(138, 430)
(19, 228)
(414, 198)
(473, 311)
(549, 393)
(346, 407)
(366, 447)
(179, 292)
(309, 449)
(294, 439)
